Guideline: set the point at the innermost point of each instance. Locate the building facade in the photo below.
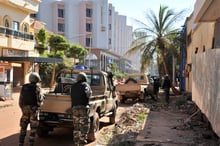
(202, 64)
(16, 41)
(94, 24)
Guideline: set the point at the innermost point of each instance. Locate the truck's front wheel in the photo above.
(112, 116)
(123, 99)
(94, 127)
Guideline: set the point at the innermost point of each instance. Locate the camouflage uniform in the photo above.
(29, 101)
(81, 125)
(80, 93)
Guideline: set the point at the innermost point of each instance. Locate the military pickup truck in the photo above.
(103, 102)
(136, 87)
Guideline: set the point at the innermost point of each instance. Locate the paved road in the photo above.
(9, 125)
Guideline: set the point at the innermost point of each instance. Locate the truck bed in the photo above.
(128, 87)
(56, 102)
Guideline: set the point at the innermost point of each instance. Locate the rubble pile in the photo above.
(125, 131)
(131, 122)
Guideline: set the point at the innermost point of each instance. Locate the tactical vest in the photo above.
(28, 92)
(78, 95)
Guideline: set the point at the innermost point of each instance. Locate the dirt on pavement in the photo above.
(178, 123)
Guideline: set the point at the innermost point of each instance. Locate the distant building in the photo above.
(93, 23)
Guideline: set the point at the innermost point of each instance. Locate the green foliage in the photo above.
(119, 75)
(41, 41)
(141, 117)
(57, 43)
(156, 37)
(45, 72)
(113, 67)
(77, 51)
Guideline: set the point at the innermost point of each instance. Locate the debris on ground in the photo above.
(125, 131)
(132, 121)
(2, 98)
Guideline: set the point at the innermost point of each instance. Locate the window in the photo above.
(109, 27)
(15, 25)
(110, 12)
(33, 15)
(61, 13)
(88, 27)
(109, 41)
(88, 42)
(101, 15)
(25, 28)
(6, 23)
(88, 12)
(60, 27)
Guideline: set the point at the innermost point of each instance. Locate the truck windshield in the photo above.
(93, 80)
(137, 78)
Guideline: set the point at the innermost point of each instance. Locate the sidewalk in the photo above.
(173, 124)
(10, 101)
(15, 97)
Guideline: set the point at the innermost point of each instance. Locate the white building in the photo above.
(93, 23)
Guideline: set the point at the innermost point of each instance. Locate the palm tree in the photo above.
(156, 38)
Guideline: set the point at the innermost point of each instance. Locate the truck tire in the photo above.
(112, 116)
(123, 99)
(42, 130)
(94, 127)
(142, 97)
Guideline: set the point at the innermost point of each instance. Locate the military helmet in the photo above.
(34, 77)
(81, 77)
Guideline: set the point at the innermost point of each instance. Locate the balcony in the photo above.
(15, 39)
(206, 10)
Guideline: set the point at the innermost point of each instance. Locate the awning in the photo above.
(32, 59)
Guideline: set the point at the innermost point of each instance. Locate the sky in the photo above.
(137, 9)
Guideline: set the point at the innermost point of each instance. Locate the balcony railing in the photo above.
(16, 34)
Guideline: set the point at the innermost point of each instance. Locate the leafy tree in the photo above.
(77, 51)
(41, 41)
(58, 44)
(156, 38)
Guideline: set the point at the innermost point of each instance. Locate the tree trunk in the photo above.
(53, 75)
(164, 63)
(174, 71)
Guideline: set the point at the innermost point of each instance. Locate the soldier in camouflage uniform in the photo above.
(29, 101)
(80, 93)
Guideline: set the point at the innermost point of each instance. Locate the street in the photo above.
(165, 125)
(9, 126)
